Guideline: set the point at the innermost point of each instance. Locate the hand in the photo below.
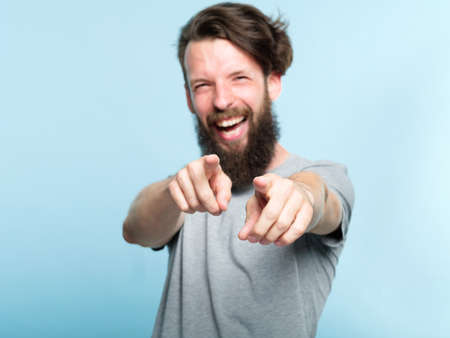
(279, 212)
(201, 186)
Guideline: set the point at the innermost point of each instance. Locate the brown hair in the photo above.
(245, 26)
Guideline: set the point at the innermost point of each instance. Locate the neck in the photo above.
(280, 155)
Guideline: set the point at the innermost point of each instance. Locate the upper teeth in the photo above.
(230, 122)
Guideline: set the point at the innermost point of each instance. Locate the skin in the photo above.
(222, 76)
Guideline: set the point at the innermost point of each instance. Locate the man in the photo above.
(253, 232)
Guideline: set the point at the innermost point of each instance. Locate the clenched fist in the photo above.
(279, 212)
(201, 186)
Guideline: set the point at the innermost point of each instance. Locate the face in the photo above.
(232, 100)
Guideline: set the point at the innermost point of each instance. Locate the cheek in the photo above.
(202, 112)
(253, 97)
(202, 104)
(202, 118)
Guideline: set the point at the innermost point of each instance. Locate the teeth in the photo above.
(232, 133)
(230, 122)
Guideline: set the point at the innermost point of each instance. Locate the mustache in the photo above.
(215, 116)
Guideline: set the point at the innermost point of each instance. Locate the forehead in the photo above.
(217, 56)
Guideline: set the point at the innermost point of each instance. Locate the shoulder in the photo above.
(334, 174)
(295, 163)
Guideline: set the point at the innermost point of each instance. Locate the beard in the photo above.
(243, 165)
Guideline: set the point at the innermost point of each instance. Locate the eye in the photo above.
(241, 77)
(200, 85)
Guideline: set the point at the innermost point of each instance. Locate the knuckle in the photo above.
(258, 232)
(307, 210)
(181, 174)
(184, 208)
(194, 204)
(288, 240)
(172, 186)
(191, 168)
(202, 196)
(298, 231)
(206, 202)
(271, 236)
(271, 215)
(282, 225)
(282, 241)
(297, 195)
(211, 208)
(297, 200)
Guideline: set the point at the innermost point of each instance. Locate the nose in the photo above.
(223, 98)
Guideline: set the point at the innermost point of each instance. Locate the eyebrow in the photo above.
(235, 73)
(238, 72)
(194, 81)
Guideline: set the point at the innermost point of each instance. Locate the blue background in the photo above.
(92, 109)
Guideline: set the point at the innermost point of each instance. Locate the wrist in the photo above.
(314, 194)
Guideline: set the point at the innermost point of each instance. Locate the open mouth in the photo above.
(230, 124)
(231, 128)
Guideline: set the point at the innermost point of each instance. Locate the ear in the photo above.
(274, 85)
(189, 99)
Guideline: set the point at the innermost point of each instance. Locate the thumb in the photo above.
(261, 184)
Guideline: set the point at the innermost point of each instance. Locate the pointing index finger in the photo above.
(222, 190)
(211, 164)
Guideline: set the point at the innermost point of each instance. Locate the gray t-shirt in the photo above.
(220, 286)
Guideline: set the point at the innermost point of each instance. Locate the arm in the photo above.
(327, 207)
(153, 217)
(157, 213)
(283, 209)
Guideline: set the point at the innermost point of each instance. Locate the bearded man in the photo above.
(254, 232)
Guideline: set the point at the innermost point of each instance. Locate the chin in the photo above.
(236, 146)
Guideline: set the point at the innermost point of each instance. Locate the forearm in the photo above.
(326, 206)
(153, 217)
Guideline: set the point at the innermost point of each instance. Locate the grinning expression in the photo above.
(232, 101)
(243, 166)
(224, 85)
